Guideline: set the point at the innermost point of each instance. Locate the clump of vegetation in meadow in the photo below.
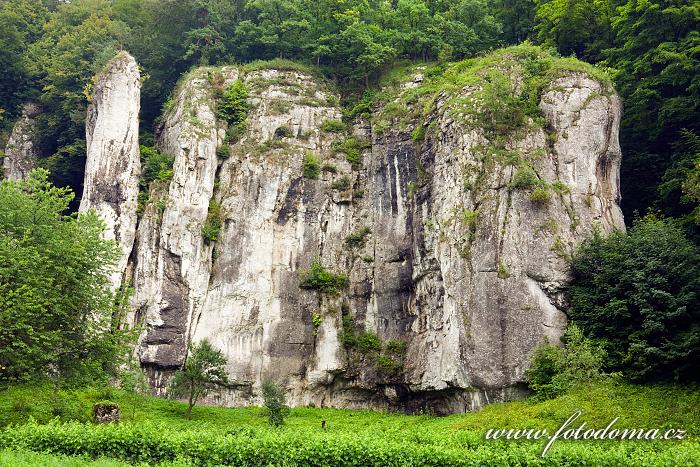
(204, 371)
(274, 402)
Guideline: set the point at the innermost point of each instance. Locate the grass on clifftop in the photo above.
(498, 106)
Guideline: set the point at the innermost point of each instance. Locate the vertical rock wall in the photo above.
(112, 170)
(21, 151)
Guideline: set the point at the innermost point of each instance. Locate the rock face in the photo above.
(454, 266)
(22, 151)
(112, 170)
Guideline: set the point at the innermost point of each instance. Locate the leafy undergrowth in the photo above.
(33, 459)
(154, 430)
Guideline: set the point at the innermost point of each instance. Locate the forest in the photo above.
(633, 339)
(52, 50)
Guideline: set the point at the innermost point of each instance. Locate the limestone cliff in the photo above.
(453, 228)
(21, 151)
(112, 170)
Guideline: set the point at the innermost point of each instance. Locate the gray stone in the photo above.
(22, 151)
(111, 184)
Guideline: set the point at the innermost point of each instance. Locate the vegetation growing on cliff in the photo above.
(319, 278)
(155, 166)
(311, 166)
(487, 79)
(232, 106)
(213, 223)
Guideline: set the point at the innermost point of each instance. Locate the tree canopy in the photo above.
(639, 294)
(51, 51)
(56, 307)
(204, 371)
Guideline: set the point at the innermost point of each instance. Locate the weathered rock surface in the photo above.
(112, 170)
(459, 285)
(21, 151)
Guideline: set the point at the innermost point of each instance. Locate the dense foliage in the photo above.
(51, 51)
(56, 308)
(204, 371)
(639, 294)
(233, 108)
(557, 369)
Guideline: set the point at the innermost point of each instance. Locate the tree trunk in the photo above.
(188, 414)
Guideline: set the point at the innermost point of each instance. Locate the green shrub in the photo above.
(274, 400)
(341, 184)
(358, 237)
(639, 292)
(155, 166)
(141, 201)
(233, 134)
(348, 336)
(388, 366)
(213, 223)
(354, 157)
(333, 126)
(555, 370)
(223, 151)
(411, 189)
(469, 217)
(418, 134)
(540, 196)
(524, 177)
(316, 320)
(352, 148)
(561, 187)
(233, 106)
(395, 346)
(312, 166)
(368, 341)
(502, 271)
(319, 278)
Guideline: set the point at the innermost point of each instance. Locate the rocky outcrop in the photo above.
(490, 248)
(440, 250)
(22, 151)
(112, 170)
